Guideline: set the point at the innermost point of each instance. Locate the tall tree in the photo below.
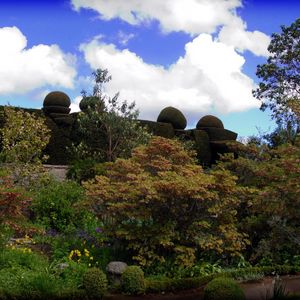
(279, 89)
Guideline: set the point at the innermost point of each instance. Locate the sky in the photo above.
(199, 56)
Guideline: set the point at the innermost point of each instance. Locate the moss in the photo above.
(165, 130)
(202, 146)
(223, 289)
(219, 134)
(57, 98)
(173, 116)
(56, 109)
(209, 121)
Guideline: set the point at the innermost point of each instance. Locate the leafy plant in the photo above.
(109, 129)
(132, 280)
(53, 205)
(95, 283)
(223, 289)
(23, 138)
(160, 203)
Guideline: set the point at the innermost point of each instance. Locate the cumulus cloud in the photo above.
(24, 69)
(191, 16)
(235, 34)
(209, 76)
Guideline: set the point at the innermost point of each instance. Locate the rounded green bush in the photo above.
(173, 116)
(95, 283)
(57, 98)
(209, 121)
(90, 102)
(223, 289)
(133, 282)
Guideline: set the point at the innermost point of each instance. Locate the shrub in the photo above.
(160, 204)
(57, 98)
(53, 205)
(209, 121)
(13, 205)
(270, 214)
(223, 289)
(173, 116)
(23, 138)
(95, 283)
(133, 282)
(91, 102)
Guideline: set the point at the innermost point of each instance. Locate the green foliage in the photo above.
(95, 283)
(173, 116)
(161, 204)
(91, 102)
(22, 257)
(82, 170)
(223, 289)
(209, 121)
(53, 205)
(23, 139)
(165, 130)
(280, 77)
(111, 131)
(270, 214)
(133, 282)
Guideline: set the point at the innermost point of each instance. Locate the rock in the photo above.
(116, 267)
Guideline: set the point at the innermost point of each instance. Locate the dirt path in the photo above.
(261, 290)
(264, 289)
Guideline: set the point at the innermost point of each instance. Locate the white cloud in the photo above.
(124, 38)
(191, 16)
(23, 70)
(75, 104)
(209, 76)
(235, 34)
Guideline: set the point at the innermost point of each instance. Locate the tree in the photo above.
(109, 129)
(279, 89)
(161, 204)
(270, 214)
(23, 138)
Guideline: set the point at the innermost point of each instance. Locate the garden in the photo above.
(140, 215)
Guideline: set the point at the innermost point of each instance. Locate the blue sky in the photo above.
(197, 55)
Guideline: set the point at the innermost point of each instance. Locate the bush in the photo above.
(23, 139)
(53, 205)
(161, 204)
(223, 289)
(57, 98)
(173, 116)
(133, 282)
(95, 283)
(209, 121)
